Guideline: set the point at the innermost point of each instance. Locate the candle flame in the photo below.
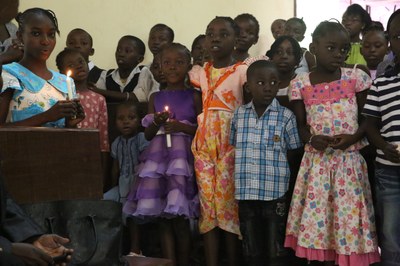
(166, 108)
(69, 72)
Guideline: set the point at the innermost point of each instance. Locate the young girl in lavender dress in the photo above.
(166, 186)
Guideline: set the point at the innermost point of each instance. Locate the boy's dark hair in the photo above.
(139, 107)
(61, 55)
(197, 39)
(391, 18)
(260, 64)
(297, 51)
(298, 20)
(22, 18)
(249, 17)
(87, 33)
(327, 27)
(161, 26)
(128, 104)
(233, 24)
(141, 47)
(279, 20)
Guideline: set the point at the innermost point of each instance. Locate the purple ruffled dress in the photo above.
(166, 185)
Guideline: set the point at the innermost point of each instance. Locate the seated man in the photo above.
(22, 240)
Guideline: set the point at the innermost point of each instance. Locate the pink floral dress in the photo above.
(331, 216)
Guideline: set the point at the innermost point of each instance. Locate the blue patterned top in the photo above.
(32, 94)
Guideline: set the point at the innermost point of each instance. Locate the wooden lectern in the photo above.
(45, 164)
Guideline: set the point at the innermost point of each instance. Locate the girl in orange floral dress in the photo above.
(221, 85)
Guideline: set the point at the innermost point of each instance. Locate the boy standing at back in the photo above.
(249, 30)
(382, 112)
(262, 132)
(160, 35)
(79, 39)
(130, 81)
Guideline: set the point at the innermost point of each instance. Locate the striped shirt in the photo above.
(383, 102)
(261, 144)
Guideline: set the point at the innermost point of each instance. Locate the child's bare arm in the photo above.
(114, 95)
(159, 120)
(372, 128)
(319, 142)
(62, 109)
(300, 112)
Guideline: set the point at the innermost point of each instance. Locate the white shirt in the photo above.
(12, 30)
(145, 87)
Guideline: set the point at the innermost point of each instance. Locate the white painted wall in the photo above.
(107, 20)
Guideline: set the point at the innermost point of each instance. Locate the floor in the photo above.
(138, 261)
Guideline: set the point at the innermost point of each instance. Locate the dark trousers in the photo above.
(263, 225)
(7, 259)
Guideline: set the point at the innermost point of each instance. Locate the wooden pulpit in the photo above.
(45, 164)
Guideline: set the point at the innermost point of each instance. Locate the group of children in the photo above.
(265, 150)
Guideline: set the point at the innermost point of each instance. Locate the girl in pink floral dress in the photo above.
(331, 216)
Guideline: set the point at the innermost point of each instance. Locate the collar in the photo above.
(90, 65)
(116, 77)
(273, 106)
(33, 82)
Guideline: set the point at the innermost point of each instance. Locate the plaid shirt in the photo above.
(261, 166)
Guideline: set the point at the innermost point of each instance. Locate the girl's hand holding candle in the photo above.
(69, 85)
(69, 88)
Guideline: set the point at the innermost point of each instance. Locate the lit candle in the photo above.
(69, 85)
(168, 136)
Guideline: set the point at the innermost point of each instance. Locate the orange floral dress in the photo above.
(222, 93)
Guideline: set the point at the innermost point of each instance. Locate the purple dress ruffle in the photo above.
(166, 185)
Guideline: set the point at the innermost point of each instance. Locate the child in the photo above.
(33, 95)
(261, 166)
(11, 50)
(93, 103)
(81, 40)
(200, 55)
(221, 83)
(381, 110)
(129, 81)
(160, 35)
(278, 27)
(296, 28)
(155, 69)
(249, 30)
(374, 47)
(286, 53)
(331, 216)
(126, 152)
(355, 19)
(166, 187)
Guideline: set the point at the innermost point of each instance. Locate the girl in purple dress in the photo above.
(166, 187)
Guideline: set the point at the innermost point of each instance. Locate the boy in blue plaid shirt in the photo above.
(262, 132)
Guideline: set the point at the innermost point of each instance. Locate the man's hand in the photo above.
(53, 245)
(30, 254)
